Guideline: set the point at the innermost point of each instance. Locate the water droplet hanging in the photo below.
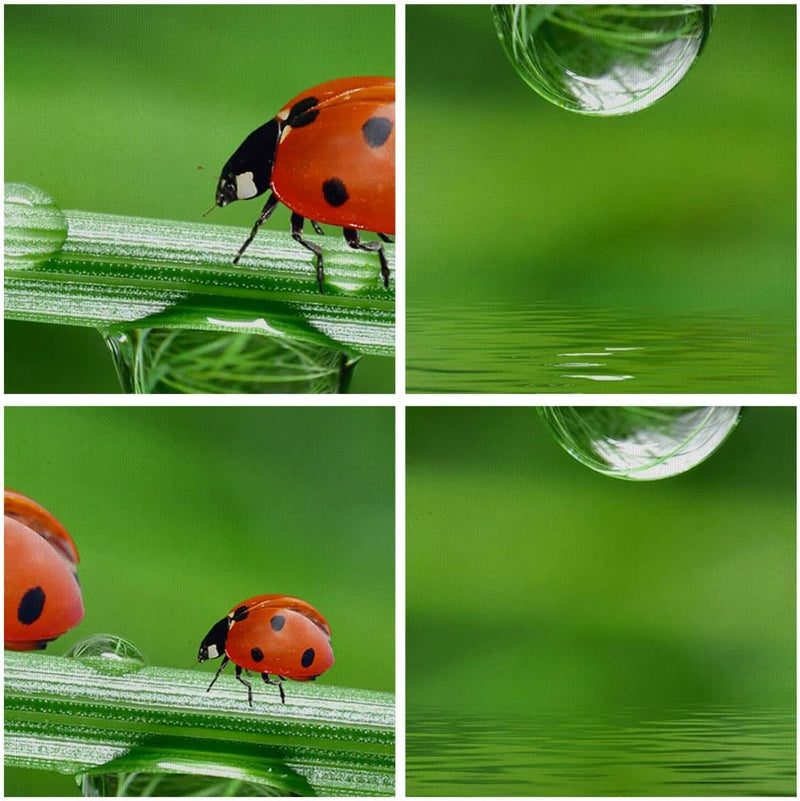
(641, 443)
(602, 60)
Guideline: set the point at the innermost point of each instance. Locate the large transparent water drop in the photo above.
(167, 766)
(163, 784)
(641, 443)
(167, 361)
(599, 59)
(35, 229)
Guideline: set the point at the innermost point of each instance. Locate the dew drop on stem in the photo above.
(35, 227)
(108, 653)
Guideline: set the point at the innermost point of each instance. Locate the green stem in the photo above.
(63, 715)
(123, 273)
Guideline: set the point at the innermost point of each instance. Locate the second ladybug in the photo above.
(42, 595)
(328, 155)
(274, 635)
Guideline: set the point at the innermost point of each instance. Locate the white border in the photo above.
(400, 400)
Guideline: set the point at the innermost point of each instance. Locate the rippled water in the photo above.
(682, 752)
(553, 349)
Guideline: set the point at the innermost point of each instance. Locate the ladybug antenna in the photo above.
(213, 207)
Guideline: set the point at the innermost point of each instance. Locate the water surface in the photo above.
(547, 348)
(692, 751)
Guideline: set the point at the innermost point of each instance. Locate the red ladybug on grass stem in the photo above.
(328, 155)
(274, 635)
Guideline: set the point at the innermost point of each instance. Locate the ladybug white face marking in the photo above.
(245, 186)
(213, 653)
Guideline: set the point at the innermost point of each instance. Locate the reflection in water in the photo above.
(694, 751)
(553, 349)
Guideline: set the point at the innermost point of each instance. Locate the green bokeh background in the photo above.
(535, 584)
(114, 108)
(181, 513)
(687, 207)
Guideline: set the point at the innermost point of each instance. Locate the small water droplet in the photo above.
(108, 653)
(35, 228)
(167, 361)
(641, 443)
(602, 60)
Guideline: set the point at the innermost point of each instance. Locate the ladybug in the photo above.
(271, 634)
(328, 155)
(42, 594)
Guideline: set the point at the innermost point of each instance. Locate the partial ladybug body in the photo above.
(42, 595)
(335, 161)
(272, 635)
(329, 156)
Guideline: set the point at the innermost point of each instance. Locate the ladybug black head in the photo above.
(248, 171)
(213, 644)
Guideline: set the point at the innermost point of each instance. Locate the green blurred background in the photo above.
(179, 514)
(535, 585)
(686, 208)
(114, 108)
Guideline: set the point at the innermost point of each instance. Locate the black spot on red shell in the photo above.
(277, 622)
(31, 606)
(303, 112)
(240, 614)
(335, 192)
(308, 657)
(257, 654)
(376, 131)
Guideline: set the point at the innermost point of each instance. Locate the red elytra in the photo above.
(275, 635)
(334, 145)
(42, 595)
(35, 516)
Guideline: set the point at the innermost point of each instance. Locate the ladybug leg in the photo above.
(386, 238)
(297, 233)
(278, 682)
(317, 228)
(246, 684)
(222, 664)
(266, 213)
(353, 239)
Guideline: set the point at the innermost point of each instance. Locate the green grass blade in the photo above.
(119, 273)
(63, 715)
